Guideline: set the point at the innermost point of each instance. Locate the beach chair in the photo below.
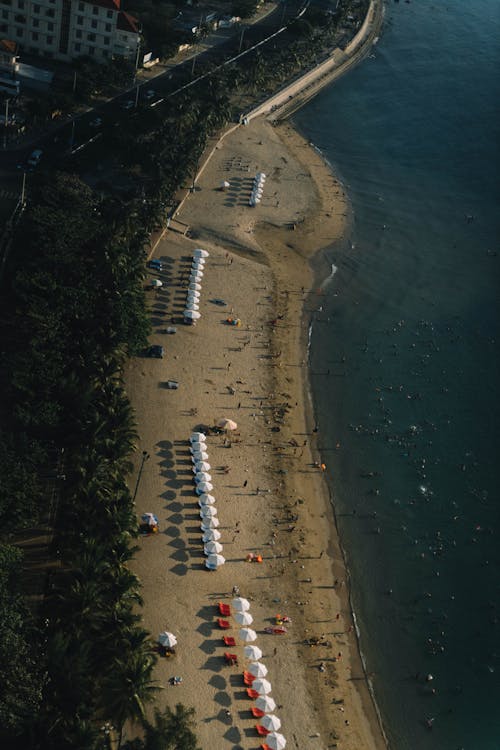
(257, 713)
(229, 640)
(224, 624)
(224, 609)
(261, 730)
(265, 746)
(253, 694)
(248, 678)
(230, 658)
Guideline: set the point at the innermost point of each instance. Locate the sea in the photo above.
(405, 365)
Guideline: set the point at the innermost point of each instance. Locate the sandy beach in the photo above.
(270, 492)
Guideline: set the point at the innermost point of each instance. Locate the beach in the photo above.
(268, 477)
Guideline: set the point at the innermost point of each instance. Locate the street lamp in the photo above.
(145, 457)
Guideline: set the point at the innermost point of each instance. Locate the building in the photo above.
(67, 29)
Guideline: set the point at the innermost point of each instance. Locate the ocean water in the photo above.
(405, 363)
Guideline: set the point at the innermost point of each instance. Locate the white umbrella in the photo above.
(168, 640)
(253, 652)
(243, 618)
(213, 548)
(194, 287)
(204, 503)
(211, 535)
(240, 604)
(257, 199)
(193, 297)
(198, 263)
(263, 687)
(197, 447)
(265, 702)
(227, 424)
(192, 314)
(201, 466)
(225, 184)
(248, 635)
(200, 455)
(206, 499)
(202, 476)
(209, 523)
(258, 670)
(156, 283)
(215, 561)
(193, 293)
(208, 511)
(270, 722)
(204, 487)
(191, 306)
(261, 174)
(200, 253)
(197, 437)
(196, 275)
(275, 741)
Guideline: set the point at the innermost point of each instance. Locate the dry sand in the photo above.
(273, 499)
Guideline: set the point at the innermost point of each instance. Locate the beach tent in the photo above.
(243, 618)
(197, 437)
(209, 523)
(150, 519)
(275, 741)
(213, 548)
(270, 722)
(248, 635)
(204, 487)
(212, 535)
(227, 424)
(264, 702)
(200, 253)
(258, 670)
(240, 604)
(208, 511)
(194, 287)
(206, 499)
(167, 640)
(262, 686)
(214, 561)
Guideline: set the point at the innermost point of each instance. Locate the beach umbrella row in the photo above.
(192, 309)
(208, 512)
(257, 189)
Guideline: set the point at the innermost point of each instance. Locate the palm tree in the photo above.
(127, 688)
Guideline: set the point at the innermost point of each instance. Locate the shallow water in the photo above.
(405, 365)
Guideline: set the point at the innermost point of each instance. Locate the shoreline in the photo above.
(274, 245)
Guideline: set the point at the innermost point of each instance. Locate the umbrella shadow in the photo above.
(172, 531)
(210, 646)
(233, 734)
(181, 555)
(205, 629)
(179, 569)
(215, 664)
(223, 698)
(176, 519)
(168, 495)
(175, 507)
(206, 613)
(164, 445)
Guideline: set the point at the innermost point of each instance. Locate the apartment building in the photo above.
(67, 29)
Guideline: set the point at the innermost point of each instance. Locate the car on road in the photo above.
(155, 351)
(128, 104)
(96, 122)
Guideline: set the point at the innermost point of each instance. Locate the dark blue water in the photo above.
(406, 365)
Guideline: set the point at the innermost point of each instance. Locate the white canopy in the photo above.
(265, 702)
(243, 618)
(200, 253)
(201, 466)
(227, 424)
(156, 283)
(240, 604)
(213, 548)
(209, 523)
(208, 511)
(253, 652)
(270, 722)
(196, 275)
(166, 639)
(202, 476)
(275, 741)
(197, 437)
(200, 455)
(215, 561)
(191, 307)
(262, 686)
(258, 670)
(248, 635)
(211, 535)
(194, 287)
(206, 499)
(204, 487)
(192, 314)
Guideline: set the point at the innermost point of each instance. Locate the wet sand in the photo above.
(271, 495)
